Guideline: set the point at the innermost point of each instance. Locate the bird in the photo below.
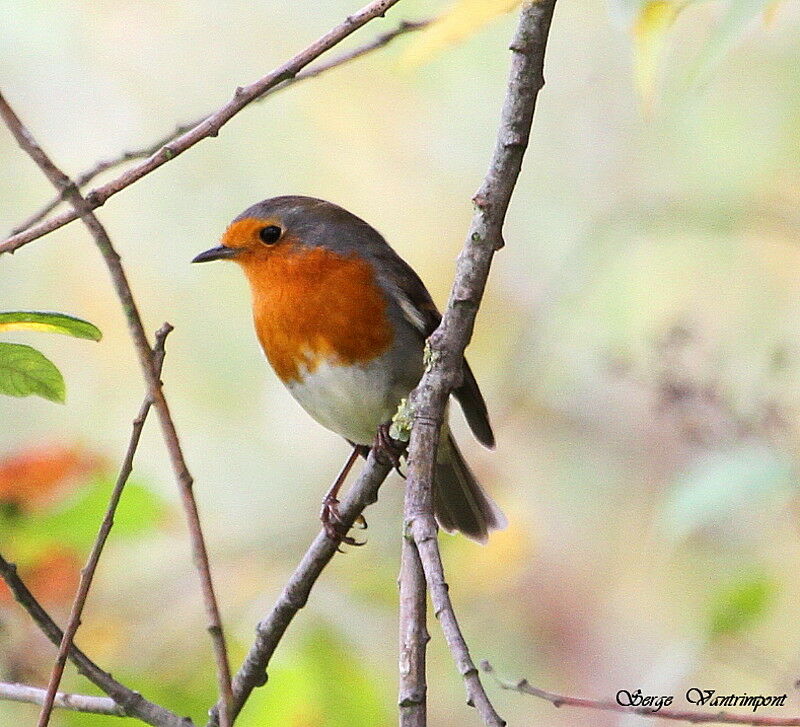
(343, 320)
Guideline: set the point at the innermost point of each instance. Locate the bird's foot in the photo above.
(389, 449)
(333, 525)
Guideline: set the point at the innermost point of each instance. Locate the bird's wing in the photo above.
(418, 308)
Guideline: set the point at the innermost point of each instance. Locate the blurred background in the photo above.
(639, 348)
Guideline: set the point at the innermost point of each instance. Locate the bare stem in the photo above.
(88, 571)
(209, 126)
(74, 702)
(681, 715)
(414, 637)
(152, 379)
(133, 703)
(448, 342)
(270, 630)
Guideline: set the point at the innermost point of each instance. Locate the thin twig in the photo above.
(210, 126)
(270, 630)
(148, 366)
(74, 702)
(82, 179)
(133, 703)
(695, 717)
(423, 529)
(414, 637)
(448, 342)
(88, 571)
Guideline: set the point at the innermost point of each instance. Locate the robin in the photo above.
(343, 320)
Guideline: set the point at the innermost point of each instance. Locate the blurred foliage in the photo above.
(458, 22)
(638, 348)
(23, 369)
(718, 486)
(324, 683)
(35, 475)
(653, 22)
(52, 501)
(739, 605)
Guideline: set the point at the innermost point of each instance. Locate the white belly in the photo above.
(352, 401)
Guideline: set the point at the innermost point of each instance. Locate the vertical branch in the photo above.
(444, 370)
(88, 571)
(413, 637)
(123, 290)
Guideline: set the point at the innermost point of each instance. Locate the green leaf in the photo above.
(738, 605)
(25, 371)
(49, 322)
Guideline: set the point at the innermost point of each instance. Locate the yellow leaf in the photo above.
(458, 22)
(650, 29)
(771, 10)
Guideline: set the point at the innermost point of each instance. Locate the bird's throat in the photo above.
(314, 305)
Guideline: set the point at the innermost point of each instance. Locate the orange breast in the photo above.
(311, 305)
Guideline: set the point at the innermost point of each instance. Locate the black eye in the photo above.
(270, 235)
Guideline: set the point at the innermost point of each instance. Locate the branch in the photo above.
(210, 126)
(132, 703)
(413, 637)
(148, 365)
(88, 571)
(82, 179)
(294, 596)
(560, 700)
(75, 702)
(444, 370)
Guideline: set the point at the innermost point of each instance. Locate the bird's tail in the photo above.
(459, 502)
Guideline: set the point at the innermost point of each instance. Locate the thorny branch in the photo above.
(133, 703)
(681, 715)
(148, 366)
(448, 342)
(88, 571)
(210, 126)
(82, 179)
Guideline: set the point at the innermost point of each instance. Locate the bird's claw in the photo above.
(389, 448)
(334, 526)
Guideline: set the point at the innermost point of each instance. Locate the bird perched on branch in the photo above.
(343, 321)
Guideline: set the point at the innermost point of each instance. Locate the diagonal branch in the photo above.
(88, 571)
(74, 702)
(294, 596)
(444, 370)
(681, 715)
(82, 179)
(153, 381)
(133, 703)
(210, 126)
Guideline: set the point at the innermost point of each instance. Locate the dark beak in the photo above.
(216, 253)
